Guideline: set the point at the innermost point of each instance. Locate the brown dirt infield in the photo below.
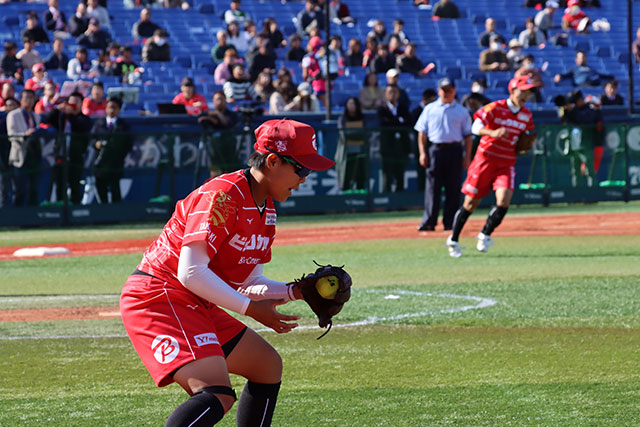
(552, 225)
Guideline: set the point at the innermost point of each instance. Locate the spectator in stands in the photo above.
(28, 56)
(55, 19)
(336, 58)
(34, 31)
(250, 34)
(370, 52)
(396, 48)
(574, 18)
(494, 58)
(112, 148)
(352, 157)
(284, 93)
(409, 62)
(582, 74)
(383, 61)
(262, 60)
(263, 85)
(353, 58)
(94, 37)
(57, 59)
(636, 46)
(234, 13)
(236, 37)
(529, 69)
(193, 102)
(49, 100)
(371, 95)
(102, 64)
(38, 80)
(446, 9)
(144, 28)
(79, 21)
(223, 156)
(394, 143)
(25, 154)
(531, 36)
(238, 87)
(611, 95)
(398, 31)
(223, 70)
(312, 70)
(124, 63)
(339, 13)
(379, 32)
(95, 105)
(305, 100)
(7, 92)
(295, 52)
(10, 65)
(476, 99)
(422, 4)
(544, 18)
(515, 55)
(273, 33)
(489, 30)
(393, 76)
(8, 105)
(579, 112)
(217, 51)
(309, 18)
(80, 67)
(94, 10)
(157, 48)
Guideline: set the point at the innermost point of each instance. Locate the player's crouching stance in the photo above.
(209, 256)
(500, 125)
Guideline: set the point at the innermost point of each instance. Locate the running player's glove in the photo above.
(325, 291)
(525, 142)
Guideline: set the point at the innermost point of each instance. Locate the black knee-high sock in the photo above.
(459, 220)
(256, 405)
(202, 409)
(494, 219)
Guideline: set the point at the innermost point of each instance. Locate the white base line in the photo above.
(481, 302)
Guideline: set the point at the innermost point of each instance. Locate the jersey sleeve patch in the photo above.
(221, 208)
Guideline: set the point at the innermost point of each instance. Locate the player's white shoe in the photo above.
(455, 250)
(484, 242)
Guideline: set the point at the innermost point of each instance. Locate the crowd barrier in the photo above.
(163, 167)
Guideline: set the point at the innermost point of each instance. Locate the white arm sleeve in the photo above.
(477, 125)
(258, 287)
(195, 275)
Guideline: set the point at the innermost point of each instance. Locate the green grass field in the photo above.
(541, 331)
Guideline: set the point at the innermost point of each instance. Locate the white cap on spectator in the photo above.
(552, 3)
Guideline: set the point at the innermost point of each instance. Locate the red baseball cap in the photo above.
(571, 3)
(292, 139)
(521, 82)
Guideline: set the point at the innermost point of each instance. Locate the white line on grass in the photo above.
(480, 302)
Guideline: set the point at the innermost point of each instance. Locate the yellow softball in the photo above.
(327, 287)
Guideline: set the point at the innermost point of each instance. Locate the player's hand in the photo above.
(499, 133)
(466, 161)
(424, 160)
(265, 312)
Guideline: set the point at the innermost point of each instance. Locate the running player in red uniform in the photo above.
(493, 167)
(210, 256)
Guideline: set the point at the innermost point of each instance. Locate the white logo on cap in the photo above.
(281, 146)
(313, 142)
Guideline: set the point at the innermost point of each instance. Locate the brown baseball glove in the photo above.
(525, 142)
(325, 291)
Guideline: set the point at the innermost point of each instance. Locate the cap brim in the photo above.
(526, 86)
(315, 162)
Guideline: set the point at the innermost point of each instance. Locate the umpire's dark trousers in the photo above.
(444, 170)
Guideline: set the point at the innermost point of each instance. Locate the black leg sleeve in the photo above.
(459, 220)
(494, 219)
(202, 409)
(256, 404)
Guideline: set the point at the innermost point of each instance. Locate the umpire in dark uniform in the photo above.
(113, 146)
(445, 144)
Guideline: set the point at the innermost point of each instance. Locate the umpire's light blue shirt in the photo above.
(444, 123)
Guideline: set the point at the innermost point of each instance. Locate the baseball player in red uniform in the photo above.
(499, 124)
(210, 256)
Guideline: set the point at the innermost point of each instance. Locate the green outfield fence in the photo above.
(164, 167)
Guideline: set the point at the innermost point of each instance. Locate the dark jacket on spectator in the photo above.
(98, 40)
(38, 34)
(77, 25)
(55, 62)
(50, 23)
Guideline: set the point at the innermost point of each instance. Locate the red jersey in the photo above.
(34, 84)
(222, 213)
(194, 106)
(494, 116)
(574, 20)
(93, 109)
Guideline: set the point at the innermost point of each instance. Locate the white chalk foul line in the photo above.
(480, 302)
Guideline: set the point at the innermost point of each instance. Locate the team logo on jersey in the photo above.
(165, 348)
(206, 339)
(271, 219)
(488, 107)
(220, 208)
(281, 146)
(523, 116)
(313, 142)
